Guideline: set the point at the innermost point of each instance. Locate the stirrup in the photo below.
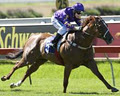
(51, 44)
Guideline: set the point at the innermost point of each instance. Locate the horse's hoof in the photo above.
(3, 78)
(12, 85)
(114, 90)
(64, 91)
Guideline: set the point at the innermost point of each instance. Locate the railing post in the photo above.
(113, 78)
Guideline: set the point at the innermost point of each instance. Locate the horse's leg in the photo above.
(92, 65)
(19, 64)
(32, 69)
(67, 72)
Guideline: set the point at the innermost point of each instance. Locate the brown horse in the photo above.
(74, 51)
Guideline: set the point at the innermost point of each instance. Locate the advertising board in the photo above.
(16, 36)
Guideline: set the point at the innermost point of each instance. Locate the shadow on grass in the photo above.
(16, 90)
(43, 93)
(84, 93)
(94, 93)
(20, 90)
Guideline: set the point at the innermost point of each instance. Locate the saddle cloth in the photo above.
(48, 42)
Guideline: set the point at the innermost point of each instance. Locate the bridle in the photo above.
(106, 28)
(86, 33)
(97, 27)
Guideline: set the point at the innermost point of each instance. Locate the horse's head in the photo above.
(97, 27)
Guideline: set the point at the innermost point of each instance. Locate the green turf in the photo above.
(48, 81)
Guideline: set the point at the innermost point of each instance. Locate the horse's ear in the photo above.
(90, 17)
(87, 20)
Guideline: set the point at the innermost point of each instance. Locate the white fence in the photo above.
(46, 20)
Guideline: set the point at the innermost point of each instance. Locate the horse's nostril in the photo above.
(111, 40)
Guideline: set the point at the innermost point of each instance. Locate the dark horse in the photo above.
(74, 51)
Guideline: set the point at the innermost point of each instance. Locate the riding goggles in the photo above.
(78, 12)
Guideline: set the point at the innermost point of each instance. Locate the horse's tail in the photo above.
(14, 55)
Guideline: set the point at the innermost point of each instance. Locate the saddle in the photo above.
(48, 42)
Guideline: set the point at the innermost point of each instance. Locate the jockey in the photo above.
(62, 18)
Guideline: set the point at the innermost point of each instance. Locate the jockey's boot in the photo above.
(56, 39)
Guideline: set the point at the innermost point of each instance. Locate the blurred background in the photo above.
(45, 8)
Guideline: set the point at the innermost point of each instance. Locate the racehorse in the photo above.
(75, 50)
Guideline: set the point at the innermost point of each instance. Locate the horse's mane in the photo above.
(87, 20)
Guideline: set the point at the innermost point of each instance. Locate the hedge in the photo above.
(20, 14)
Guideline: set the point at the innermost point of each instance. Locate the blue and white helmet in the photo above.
(78, 7)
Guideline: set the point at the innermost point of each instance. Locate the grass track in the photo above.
(47, 81)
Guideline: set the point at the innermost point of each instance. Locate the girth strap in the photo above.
(57, 54)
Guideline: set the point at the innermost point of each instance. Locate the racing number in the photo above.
(60, 4)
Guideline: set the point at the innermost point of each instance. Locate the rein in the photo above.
(78, 46)
(84, 31)
(106, 33)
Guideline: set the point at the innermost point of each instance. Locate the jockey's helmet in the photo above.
(78, 7)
